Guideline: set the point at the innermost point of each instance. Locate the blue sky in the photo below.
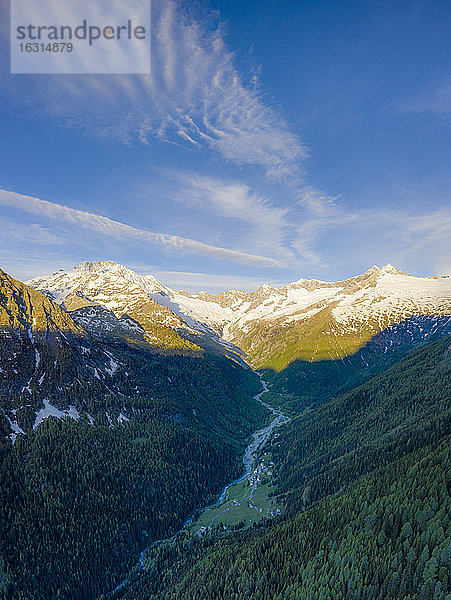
(272, 141)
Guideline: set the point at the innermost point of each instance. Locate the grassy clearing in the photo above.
(247, 502)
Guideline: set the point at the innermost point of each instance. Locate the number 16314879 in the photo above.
(49, 47)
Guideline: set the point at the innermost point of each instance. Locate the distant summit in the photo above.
(308, 319)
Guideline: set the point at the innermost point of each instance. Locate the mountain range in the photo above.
(126, 405)
(311, 338)
(79, 335)
(308, 319)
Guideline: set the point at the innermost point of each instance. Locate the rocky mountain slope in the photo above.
(93, 366)
(306, 320)
(316, 320)
(120, 291)
(41, 349)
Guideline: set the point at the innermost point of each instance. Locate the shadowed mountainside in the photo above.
(304, 383)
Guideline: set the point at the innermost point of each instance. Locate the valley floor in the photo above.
(242, 502)
(246, 500)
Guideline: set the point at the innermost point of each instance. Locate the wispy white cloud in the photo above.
(320, 233)
(32, 233)
(427, 238)
(194, 95)
(435, 101)
(264, 225)
(116, 229)
(316, 201)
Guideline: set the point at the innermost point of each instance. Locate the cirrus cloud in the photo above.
(194, 95)
(116, 229)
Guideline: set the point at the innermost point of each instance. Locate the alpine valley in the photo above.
(126, 408)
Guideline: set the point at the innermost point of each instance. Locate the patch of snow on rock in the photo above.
(52, 411)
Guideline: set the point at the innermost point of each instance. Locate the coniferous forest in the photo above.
(80, 501)
(366, 481)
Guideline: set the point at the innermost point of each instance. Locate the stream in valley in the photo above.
(250, 459)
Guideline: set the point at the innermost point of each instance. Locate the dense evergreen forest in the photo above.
(401, 410)
(366, 479)
(146, 436)
(78, 502)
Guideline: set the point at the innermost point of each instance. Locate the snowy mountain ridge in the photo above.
(114, 287)
(102, 273)
(357, 308)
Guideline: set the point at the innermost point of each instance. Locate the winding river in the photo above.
(250, 457)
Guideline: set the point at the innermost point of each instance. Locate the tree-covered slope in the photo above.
(407, 406)
(388, 536)
(305, 383)
(366, 481)
(78, 503)
(105, 444)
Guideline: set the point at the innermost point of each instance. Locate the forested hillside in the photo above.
(304, 383)
(79, 501)
(367, 487)
(398, 411)
(105, 445)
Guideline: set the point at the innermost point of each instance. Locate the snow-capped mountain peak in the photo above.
(148, 283)
(353, 309)
(92, 279)
(123, 292)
